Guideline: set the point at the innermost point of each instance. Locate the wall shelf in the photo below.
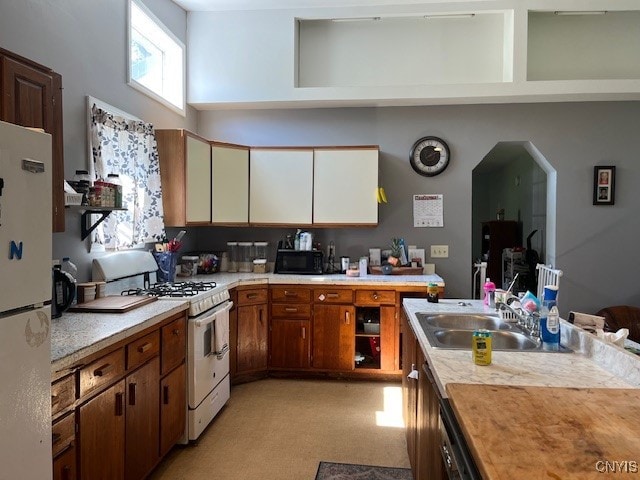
(85, 219)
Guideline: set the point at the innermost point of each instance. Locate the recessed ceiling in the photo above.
(223, 5)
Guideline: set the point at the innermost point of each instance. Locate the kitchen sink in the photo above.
(501, 340)
(455, 330)
(463, 321)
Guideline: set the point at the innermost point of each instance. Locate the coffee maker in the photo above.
(64, 291)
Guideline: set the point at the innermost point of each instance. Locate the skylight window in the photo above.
(156, 60)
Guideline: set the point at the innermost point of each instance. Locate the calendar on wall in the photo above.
(428, 210)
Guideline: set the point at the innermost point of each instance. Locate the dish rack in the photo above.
(507, 316)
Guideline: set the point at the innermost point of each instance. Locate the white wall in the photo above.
(85, 41)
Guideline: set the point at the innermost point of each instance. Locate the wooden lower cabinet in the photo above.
(334, 337)
(64, 465)
(290, 343)
(142, 416)
(421, 408)
(252, 347)
(102, 435)
(173, 405)
(122, 420)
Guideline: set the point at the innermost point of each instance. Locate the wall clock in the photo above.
(429, 156)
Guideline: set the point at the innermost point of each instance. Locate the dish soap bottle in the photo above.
(550, 326)
(489, 293)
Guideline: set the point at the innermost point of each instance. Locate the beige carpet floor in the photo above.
(277, 429)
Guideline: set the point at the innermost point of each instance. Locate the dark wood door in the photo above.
(32, 97)
(409, 391)
(334, 337)
(388, 339)
(142, 420)
(253, 338)
(290, 343)
(64, 465)
(173, 408)
(102, 435)
(429, 464)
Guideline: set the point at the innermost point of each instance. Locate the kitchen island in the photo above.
(530, 414)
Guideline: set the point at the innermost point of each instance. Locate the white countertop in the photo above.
(76, 335)
(234, 279)
(594, 363)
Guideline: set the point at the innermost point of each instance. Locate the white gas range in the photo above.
(208, 383)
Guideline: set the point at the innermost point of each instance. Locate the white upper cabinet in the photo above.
(281, 186)
(229, 184)
(344, 186)
(198, 180)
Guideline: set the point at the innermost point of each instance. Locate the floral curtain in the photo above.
(129, 149)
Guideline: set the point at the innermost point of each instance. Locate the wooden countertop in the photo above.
(548, 432)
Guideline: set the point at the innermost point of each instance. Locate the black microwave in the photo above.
(304, 262)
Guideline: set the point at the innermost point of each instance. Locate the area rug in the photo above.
(349, 471)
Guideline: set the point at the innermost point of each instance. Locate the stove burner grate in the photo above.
(175, 289)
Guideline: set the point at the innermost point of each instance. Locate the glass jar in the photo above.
(232, 249)
(261, 250)
(189, 265)
(114, 179)
(245, 260)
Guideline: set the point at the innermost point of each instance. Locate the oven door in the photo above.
(206, 367)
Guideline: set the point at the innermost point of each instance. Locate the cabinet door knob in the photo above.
(132, 394)
(176, 332)
(347, 320)
(119, 404)
(103, 370)
(144, 348)
(304, 333)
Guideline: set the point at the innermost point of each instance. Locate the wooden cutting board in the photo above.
(550, 433)
(113, 304)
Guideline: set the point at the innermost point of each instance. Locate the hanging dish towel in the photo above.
(221, 335)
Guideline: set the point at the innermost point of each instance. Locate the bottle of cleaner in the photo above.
(550, 326)
(489, 292)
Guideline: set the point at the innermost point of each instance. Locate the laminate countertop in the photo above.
(502, 408)
(76, 335)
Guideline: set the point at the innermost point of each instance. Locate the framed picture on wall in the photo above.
(604, 185)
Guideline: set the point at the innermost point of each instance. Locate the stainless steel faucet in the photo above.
(530, 322)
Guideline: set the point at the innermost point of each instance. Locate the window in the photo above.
(156, 60)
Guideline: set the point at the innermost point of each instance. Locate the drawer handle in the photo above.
(119, 404)
(103, 370)
(145, 347)
(55, 438)
(176, 332)
(132, 394)
(55, 399)
(375, 295)
(252, 295)
(165, 395)
(287, 293)
(290, 309)
(332, 295)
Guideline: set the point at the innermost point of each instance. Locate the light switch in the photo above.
(439, 251)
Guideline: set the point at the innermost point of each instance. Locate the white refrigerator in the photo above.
(25, 296)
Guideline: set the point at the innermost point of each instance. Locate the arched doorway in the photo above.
(514, 183)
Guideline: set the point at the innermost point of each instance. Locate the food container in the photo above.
(371, 328)
(208, 263)
(189, 265)
(245, 262)
(261, 250)
(260, 265)
(86, 292)
(232, 249)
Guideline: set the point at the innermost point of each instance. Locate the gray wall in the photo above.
(596, 245)
(85, 41)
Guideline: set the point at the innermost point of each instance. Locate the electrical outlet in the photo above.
(439, 251)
